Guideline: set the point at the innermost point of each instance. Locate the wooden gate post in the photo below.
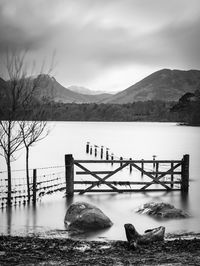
(172, 176)
(69, 174)
(34, 186)
(185, 173)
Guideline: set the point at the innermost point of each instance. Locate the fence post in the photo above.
(87, 147)
(34, 186)
(172, 176)
(130, 165)
(95, 151)
(112, 158)
(157, 169)
(69, 174)
(142, 166)
(121, 159)
(101, 152)
(185, 173)
(154, 164)
(107, 155)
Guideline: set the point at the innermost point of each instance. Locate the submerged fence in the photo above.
(110, 175)
(43, 181)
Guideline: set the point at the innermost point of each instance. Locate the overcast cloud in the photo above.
(104, 44)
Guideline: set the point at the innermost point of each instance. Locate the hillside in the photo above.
(49, 87)
(164, 85)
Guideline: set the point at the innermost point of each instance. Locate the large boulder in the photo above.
(162, 210)
(84, 216)
(149, 236)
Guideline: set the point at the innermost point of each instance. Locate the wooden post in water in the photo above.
(121, 159)
(107, 155)
(34, 186)
(130, 165)
(69, 174)
(101, 152)
(157, 168)
(172, 176)
(95, 150)
(142, 166)
(185, 173)
(87, 147)
(112, 158)
(154, 157)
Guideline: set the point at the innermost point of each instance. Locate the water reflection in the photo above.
(47, 218)
(184, 199)
(69, 201)
(140, 140)
(9, 220)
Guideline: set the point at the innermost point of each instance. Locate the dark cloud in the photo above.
(92, 37)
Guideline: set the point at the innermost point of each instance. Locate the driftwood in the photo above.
(149, 236)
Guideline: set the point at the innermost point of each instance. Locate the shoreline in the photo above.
(15, 250)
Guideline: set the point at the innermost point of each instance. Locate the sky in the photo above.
(103, 44)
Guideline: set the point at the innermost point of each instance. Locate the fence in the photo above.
(144, 175)
(43, 181)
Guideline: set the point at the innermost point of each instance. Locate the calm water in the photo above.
(136, 140)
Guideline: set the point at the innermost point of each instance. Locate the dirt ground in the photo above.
(37, 251)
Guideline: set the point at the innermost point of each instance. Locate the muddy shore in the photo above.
(37, 251)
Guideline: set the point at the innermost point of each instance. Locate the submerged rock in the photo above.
(149, 236)
(84, 216)
(162, 210)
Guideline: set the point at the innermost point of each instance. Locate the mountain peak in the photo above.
(164, 85)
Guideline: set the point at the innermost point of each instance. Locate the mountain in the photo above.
(83, 90)
(48, 87)
(164, 85)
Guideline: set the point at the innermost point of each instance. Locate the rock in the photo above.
(149, 236)
(162, 210)
(86, 217)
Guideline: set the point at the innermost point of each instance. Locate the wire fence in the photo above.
(48, 182)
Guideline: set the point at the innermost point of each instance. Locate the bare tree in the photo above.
(19, 95)
(10, 141)
(32, 132)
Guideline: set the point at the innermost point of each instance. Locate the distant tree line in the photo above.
(186, 111)
(137, 111)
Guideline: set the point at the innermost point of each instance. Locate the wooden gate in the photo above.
(177, 172)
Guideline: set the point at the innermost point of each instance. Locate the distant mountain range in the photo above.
(49, 87)
(164, 85)
(83, 90)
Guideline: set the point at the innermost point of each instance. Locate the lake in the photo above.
(138, 140)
